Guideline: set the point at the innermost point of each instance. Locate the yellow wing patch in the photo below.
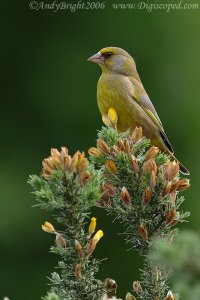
(148, 111)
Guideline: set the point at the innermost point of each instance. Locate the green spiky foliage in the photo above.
(69, 187)
(141, 189)
(181, 258)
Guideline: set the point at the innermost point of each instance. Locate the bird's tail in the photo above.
(183, 169)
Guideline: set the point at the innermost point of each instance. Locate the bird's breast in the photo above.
(114, 91)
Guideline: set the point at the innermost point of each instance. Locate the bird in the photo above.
(120, 88)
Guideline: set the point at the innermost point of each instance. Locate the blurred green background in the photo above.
(48, 100)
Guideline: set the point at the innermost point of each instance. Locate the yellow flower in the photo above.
(112, 114)
(98, 236)
(92, 226)
(48, 227)
(94, 241)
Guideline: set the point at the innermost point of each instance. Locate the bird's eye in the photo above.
(107, 54)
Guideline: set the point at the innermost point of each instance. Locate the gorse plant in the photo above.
(69, 187)
(136, 184)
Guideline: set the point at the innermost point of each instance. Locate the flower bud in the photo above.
(143, 232)
(134, 164)
(170, 296)
(125, 196)
(79, 249)
(92, 226)
(64, 152)
(106, 120)
(92, 245)
(94, 152)
(74, 163)
(102, 145)
(78, 271)
(137, 134)
(111, 167)
(111, 286)
(60, 241)
(174, 186)
(116, 149)
(121, 145)
(85, 177)
(147, 194)
(108, 189)
(137, 286)
(150, 166)
(153, 180)
(48, 227)
(170, 216)
(56, 154)
(151, 153)
(127, 147)
(184, 184)
(82, 166)
(67, 162)
(112, 114)
(166, 189)
(171, 170)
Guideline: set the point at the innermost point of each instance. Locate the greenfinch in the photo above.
(120, 88)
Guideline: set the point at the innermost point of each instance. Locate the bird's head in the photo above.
(114, 60)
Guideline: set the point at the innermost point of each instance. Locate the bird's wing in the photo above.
(139, 94)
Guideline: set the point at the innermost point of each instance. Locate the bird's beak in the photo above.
(96, 58)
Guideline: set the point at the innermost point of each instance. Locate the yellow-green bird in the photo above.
(120, 87)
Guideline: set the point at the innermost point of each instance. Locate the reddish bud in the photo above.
(170, 216)
(134, 164)
(78, 271)
(150, 166)
(121, 145)
(153, 180)
(171, 170)
(151, 153)
(174, 186)
(137, 286)
(109, 189)
(116, 150)
(127, 147)
(146, 196)
(184, 184)
(102, 145)
(143, 232)
(125, 196)
(79, 249)
(137, 134)
(166, 189)
(94, 152)
(85, 178)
